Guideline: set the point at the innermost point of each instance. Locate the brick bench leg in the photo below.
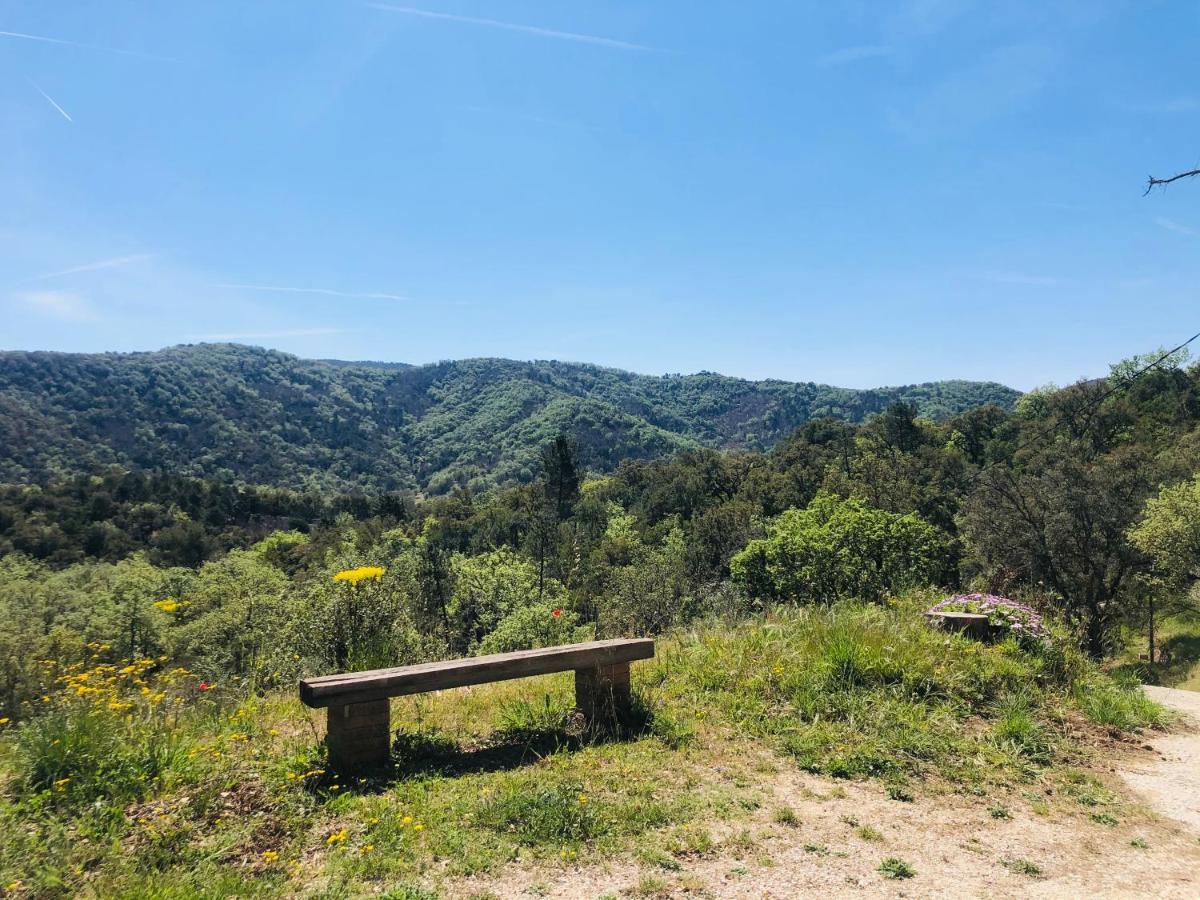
(602, 693)
(359, 736)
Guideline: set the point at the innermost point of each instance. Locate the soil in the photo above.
(1149, 846)
(1170, 779)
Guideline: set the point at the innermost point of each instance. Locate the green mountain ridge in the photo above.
(238, 413)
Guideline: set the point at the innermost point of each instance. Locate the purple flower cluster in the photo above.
(1019, 619)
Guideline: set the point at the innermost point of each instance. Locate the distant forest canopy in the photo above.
(232, 413)
(1082, 500)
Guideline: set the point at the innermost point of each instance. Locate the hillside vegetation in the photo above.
(262, 417)
(140, 776)
(153, 629)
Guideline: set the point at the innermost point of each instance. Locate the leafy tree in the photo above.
(1061, 526)
(491, 587)
(1169, 533)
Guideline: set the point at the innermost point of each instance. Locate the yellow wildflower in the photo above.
(337, 837)
(3, 720)
(354, 576)
(270, 855)
(418, 827)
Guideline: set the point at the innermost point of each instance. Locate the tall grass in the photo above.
(861, 690)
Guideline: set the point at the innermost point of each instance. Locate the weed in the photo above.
(867, 833)
(544, 814)
(651, 886)
(1022, 867)
(1139, 843)
(895, 867)
(817, 849)
(1103, 819)
(785, 815)
(899, 792)
(410, 892)
(998, 811)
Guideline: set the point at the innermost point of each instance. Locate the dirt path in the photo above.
(1035, 842)
(1170, 780)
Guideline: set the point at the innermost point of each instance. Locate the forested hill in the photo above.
(231, 412)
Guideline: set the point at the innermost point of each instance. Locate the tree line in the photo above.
(1082, 500)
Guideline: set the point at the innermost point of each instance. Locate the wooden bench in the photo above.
(359, 733)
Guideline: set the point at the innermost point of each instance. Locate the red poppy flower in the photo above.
(557, 612)
(205, 686)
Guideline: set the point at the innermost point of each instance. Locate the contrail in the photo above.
(51, 101)
(512, 26)
(92, 266)
(310, 290)
(51, 40)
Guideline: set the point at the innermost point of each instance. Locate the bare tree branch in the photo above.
(1154, 182)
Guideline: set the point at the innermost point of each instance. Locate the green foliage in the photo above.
(539, 813)
(485, 775)
(538, 625)
(835, 549)
(229, 412)
(1169, 532)
(895, 867)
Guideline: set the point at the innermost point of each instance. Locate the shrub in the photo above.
(835, 549)
(529, 627)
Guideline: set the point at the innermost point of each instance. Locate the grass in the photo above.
(1022, 867)
(229, 795)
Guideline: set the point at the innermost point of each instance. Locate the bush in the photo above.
(839, 549)
(530, 627)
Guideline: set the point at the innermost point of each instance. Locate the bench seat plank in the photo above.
(363, 687)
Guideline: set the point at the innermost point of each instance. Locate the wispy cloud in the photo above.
(18, 35)
(50, 100)
(257, 335)
(65, 306)
(281, 289)
(1002, 82)
(111, 263)
(1177, 227)
(848, 55)
(513, 26)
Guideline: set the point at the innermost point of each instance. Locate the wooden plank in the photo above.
(361, 687)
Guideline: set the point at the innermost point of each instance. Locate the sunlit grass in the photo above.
(237, 799)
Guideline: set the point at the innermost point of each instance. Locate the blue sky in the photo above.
(858, 193)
